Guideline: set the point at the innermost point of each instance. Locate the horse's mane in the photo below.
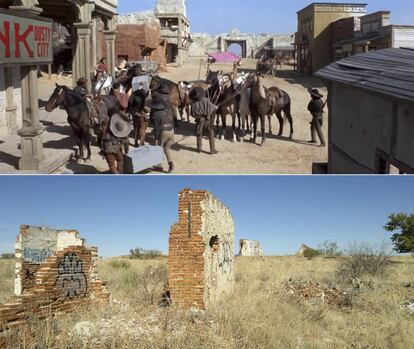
(73, 98)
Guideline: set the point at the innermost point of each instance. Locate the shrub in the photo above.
(363, 259)
(7, 256)
(140, 253)
(152, 283)
(329, 248)
(310, 253)
(119, 264)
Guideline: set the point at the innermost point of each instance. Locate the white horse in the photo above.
(103, 85)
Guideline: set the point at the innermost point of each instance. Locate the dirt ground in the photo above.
(279, 155)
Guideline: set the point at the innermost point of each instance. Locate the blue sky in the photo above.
(260, 16)
(116, 214)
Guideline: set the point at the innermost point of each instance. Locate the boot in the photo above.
(199, 143)
(212, 146)
(170, 167)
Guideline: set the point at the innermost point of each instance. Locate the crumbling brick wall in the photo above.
(201, 250)
(55, 272)
(131, 38)
(250, 248)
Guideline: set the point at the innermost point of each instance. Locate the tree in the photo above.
(403, 226)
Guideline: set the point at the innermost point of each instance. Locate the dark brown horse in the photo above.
(79, 114)
(175, 100)
(264, 102)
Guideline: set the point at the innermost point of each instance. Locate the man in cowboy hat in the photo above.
(315, 107)
(203, 110)
(115, 130)
(163, 123)
(163, 91)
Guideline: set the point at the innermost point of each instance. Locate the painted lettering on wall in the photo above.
(24, 40)
(71, 278)
(36, 255)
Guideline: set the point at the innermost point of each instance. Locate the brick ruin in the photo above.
(250, 248)
(201, 250)
(55, 273)
(139, 33)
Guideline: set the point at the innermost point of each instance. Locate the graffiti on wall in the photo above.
(36, 255)
(71, 278)
(225, 257)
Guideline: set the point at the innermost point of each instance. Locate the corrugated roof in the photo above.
(388, 71)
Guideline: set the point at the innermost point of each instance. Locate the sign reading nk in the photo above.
(25, 39)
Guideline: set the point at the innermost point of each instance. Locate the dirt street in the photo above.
(279, 155)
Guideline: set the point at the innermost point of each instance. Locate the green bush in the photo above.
(120, 264)
(310, 253)
(140, 253)
(329, 249)
(7, 256)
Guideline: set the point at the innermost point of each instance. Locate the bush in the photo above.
(140, 253)
(152, 283)
(310, 253)
(7, 256)
(363, 259)
(329, 248)
(119, 264)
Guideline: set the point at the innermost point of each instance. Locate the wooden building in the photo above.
(371, 113)
(371, 32)
(313, 39)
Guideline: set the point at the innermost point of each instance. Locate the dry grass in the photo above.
(259, 313)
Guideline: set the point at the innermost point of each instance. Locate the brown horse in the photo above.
(264, 102)
(79, 114)
(228, 105)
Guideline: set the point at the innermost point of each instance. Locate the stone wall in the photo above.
(250, 248)
(55, 273)
(255, 43)
(171, 6)
(201, 250)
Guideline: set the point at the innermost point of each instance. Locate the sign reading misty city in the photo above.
(25, 39)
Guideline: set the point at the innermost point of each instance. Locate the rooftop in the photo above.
(389, 72)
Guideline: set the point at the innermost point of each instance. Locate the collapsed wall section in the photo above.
(201, 250)
(55, 273)
(250, 248)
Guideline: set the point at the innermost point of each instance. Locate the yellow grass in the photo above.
(258, 313)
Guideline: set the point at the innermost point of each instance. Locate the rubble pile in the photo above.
(312, 292)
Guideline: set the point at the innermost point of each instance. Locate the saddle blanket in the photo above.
(142, 158)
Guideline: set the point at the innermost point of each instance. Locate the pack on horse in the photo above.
(264, 102)
(81, 117)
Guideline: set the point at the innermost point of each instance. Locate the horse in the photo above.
(244, 104)
(268, 102)
(79, 117)
(228, 104)
(185, 88)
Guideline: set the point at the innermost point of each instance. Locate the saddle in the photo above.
(276, 97)
(94, 112)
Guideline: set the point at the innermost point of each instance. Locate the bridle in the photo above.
(58, 95)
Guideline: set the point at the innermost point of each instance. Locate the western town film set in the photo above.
(206, 174)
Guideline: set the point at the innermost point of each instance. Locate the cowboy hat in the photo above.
(162, 89)
(82, 81)
(120, 127)
(157, 104)
(315, 93)
(197, 94)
